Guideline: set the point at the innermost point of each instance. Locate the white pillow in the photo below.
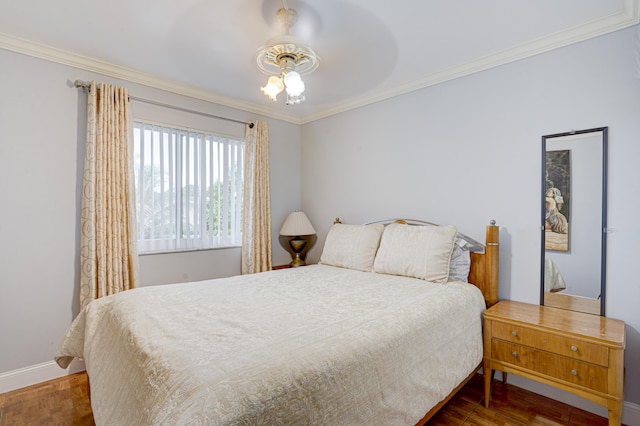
(352, 246)
(416, 251)
(460, 261)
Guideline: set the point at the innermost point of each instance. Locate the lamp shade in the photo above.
(296, 224)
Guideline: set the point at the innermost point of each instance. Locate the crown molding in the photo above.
(629, 15)
(86, 63)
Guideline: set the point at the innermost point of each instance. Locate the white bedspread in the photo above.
(316, 345)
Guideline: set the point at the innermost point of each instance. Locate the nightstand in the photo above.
(281, 267)
(573, 351)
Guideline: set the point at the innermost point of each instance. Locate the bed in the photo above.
(376, 333)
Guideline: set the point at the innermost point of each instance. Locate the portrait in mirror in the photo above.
(573, 258)
(557, 199)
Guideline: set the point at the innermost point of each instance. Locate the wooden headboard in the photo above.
(485, 257)
(486, 265)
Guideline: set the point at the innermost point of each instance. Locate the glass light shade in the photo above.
(294, 84)
(273, 88)
(294, 100)
(297, 224)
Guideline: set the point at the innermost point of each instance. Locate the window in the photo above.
(188, 188)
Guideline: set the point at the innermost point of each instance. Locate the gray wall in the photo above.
(469, 150)
(42, 137)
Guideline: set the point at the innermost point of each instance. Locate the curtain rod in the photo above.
(84, 85)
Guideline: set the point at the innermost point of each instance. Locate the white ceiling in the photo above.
(369, 49)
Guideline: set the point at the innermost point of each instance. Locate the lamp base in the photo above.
(285, 243)
(297, 261)
(297, 245)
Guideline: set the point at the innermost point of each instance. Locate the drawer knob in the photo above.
(574, 372)
(574, 348)
(514, 354)
(514, 334)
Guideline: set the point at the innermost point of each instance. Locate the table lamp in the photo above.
(296, 226)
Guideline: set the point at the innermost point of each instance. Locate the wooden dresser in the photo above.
(573, 351)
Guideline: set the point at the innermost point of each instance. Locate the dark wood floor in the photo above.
(510, 405)
(65, 402)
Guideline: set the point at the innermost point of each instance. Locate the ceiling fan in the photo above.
(285, 59)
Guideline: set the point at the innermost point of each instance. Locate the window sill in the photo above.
(150, 253)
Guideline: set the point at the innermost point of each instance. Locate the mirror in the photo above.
(574, 220)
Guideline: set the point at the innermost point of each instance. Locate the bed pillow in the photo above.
(352, 246)
(416, 251)
(460, 261)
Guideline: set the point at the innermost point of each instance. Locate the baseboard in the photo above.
(631, 414)
(38, 373)
(630, 411)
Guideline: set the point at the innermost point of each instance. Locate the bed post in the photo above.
(485, 266)
(492, 260)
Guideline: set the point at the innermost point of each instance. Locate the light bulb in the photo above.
(294, 84)
(273, 88)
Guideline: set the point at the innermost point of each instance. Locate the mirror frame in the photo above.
(603, 245)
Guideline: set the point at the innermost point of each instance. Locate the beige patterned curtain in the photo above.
(108, 254)
(256, 219)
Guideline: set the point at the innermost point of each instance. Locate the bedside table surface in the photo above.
(607, 331)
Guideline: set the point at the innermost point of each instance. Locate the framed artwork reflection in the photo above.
(558, 200)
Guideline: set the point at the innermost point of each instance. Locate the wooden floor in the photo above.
(510, 405)
(62, 402)
(65, 402)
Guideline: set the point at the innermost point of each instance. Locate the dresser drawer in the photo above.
(560, 367)
(573, 348)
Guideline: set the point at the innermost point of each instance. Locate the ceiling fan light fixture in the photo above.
(285, 59)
